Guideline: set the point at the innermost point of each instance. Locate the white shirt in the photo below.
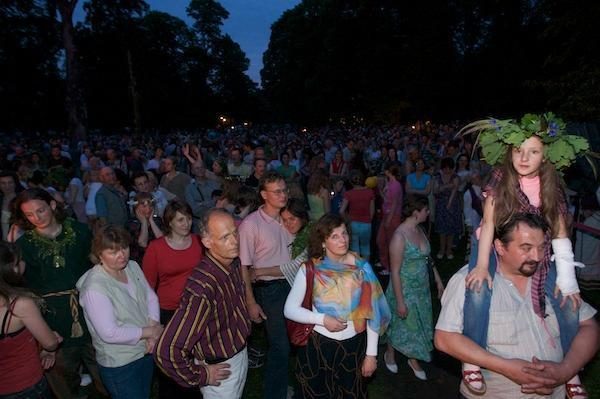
(514, 331)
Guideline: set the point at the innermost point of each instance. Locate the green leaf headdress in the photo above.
(560, 148)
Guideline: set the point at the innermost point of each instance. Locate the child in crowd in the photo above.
(529, 154)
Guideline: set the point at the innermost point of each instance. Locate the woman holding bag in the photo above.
(349, 312)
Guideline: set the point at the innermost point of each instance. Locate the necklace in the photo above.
(51, 247)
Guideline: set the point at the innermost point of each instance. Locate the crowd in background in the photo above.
(159, 187)
(320, 165)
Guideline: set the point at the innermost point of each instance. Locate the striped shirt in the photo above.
(210, 325)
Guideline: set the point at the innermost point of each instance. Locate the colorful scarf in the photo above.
(351, 292)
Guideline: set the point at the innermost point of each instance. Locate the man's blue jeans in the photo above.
(271, 297)
(361, 239)
(132, 380)
(477, 306)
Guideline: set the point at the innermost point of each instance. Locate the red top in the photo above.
(20, 365)
(337, 166)
(358, 204)
(167, 269)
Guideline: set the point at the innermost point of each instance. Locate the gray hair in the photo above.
(205, 218)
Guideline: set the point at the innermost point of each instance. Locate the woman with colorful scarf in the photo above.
(349, 313)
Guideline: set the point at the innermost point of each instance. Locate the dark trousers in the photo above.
(167, 388)
(64, 378)
(271, 297)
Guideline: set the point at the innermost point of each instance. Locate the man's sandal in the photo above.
(473, 376)
(576, 391)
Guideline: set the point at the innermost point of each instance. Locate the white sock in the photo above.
(473, 367)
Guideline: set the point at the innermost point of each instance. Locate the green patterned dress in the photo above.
(413, 336)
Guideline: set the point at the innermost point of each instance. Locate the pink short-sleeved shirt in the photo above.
(264, 242)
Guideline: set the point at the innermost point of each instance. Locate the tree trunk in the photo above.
(137, 116)
(74, 101)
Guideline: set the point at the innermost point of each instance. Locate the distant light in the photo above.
(245, 123)
(304, 130)
(232, 127)
(413, 126)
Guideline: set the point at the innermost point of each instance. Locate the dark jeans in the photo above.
(132, 380)
(39, 390)
(63, 378)
(477, 307)
(271, 297)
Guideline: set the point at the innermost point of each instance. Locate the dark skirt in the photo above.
(331, 369)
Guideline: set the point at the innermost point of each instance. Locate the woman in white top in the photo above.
(8, 191)
(349, 312)
(121, 311)
(91, 189)
(74, 196)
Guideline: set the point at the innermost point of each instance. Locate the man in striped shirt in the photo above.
(204, 344)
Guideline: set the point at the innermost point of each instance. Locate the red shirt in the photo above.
(167, 269)
(358, 204)
(20, 365)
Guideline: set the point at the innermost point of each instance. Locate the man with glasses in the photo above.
(264, 242)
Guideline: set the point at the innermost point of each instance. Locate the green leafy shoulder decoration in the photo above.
(53, 248)
(301, 241)
(560, 148)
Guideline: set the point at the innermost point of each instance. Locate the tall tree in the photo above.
(74, 100)
(569, 75)
(226, 62)
(110, 36)
(30, 85)
(208, 16)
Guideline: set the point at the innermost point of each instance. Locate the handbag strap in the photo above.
(310, 279)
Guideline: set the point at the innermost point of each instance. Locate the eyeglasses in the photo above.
(279, 192)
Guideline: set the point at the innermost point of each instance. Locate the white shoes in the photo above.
(420, 374)
(86, 380)
(390, 365)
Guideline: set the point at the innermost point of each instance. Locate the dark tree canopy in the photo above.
(31, 91)
(137, 68)
(382, 60)
(450, 59)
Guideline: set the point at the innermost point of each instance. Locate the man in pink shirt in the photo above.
(264, 242)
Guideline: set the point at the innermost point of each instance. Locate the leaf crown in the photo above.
(496, 135)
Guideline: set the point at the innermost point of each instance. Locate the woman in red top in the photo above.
(338, 167)
(360, 204)
(22, 328)
(168, 262)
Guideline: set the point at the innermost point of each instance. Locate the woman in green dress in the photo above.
(56, 252)
(408, 294)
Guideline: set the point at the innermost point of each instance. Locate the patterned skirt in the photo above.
(331, 369)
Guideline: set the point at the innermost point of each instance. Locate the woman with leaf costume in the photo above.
(528, 155)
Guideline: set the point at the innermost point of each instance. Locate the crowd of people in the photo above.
(127, 257)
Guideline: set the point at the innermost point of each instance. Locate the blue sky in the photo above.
(249, 23)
